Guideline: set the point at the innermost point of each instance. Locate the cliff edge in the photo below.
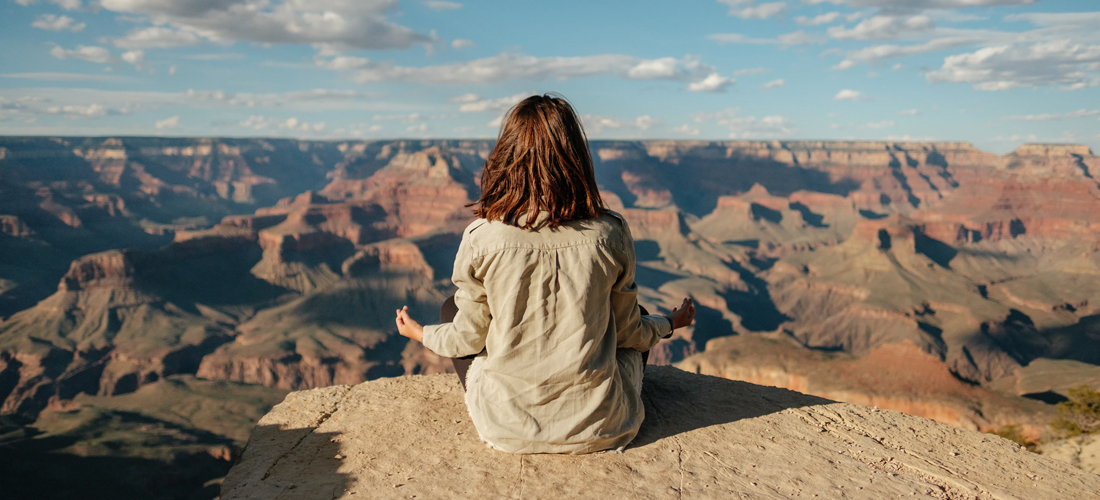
(706, 437)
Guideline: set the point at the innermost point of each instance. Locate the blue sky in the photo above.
(994, 72)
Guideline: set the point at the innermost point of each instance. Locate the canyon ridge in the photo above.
(159, 295)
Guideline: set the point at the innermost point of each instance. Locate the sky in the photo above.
(997, 73)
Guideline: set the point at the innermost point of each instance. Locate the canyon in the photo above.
(927, 277)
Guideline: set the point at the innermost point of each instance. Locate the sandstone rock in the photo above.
(703, 437)
(1081, 451)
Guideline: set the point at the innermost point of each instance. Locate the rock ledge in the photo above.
(705, 437)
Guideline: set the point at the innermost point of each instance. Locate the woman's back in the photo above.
(560, 372)
(546, 298)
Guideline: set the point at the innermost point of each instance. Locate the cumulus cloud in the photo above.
(214, 57)
(750, 71)
(360, 24)
(883, 28)
(745, 9)
(84, 111)
(799, 37)
(1060, 62)
(748, 126)
(909, 112)
(774, 84)
(877, 53)
(712, 83)
(134, 57)
(258, 122)
(920, 5)
(154, 37)
(51, 22)
(462, 43)
(62, 77)
(1080, 113)
(850, 95)
(817, 20)
(507, 66)
(471, 103)
(167, 123)
(686, 129)
(90, 53)
(64, 4)
(596, 124)
(880, 125)
(439, 5)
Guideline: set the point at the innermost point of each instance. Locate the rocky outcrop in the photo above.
(703, 437)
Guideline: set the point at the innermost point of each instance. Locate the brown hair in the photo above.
(540, 163)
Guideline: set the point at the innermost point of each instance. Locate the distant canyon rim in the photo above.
(928, 277)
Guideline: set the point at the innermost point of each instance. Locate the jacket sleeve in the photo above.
(465, 335)
(633, 330)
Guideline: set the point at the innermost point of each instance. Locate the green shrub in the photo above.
(1080, 414)
(1014, 433)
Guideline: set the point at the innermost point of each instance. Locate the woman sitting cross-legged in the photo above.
(546, 313)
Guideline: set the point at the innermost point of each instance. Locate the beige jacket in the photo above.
(554, 315)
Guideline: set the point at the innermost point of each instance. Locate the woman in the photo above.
(546, 302)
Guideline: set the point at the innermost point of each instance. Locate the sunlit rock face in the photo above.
(279, 262)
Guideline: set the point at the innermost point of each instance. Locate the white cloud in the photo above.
(880, 125)
(845, 64)
(420, 127)
(799, 37)
(479, 105)
(750, 71)
(774, 84)
(51, 22)
(437, 5)
(817, 20)
(407, 118)
(1060, 19)
(876, 53)
(850, 95)
(712, 83)
(258, 122)
(883, 27)
(64, 4)
(214, 57)
(909, 112)
(1003, 67)
(154, 38)
(748, 126)
(920, 5)
(724, 38)
(897, 66)
(360, 24)
(1081, 113)
(686, 129)
(172, 122)
(505, 67)
(595, 124)
(134, 57)
(84, 111)
(465, 98)
(762, 11)
(62, 77)
(462, 43)
(88, 53)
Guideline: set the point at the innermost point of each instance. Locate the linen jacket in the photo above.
(554, 319)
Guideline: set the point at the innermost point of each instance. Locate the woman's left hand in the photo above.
(407, 326)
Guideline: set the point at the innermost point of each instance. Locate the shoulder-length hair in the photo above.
(540, 163)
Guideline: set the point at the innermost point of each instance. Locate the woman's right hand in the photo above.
(683, 316)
